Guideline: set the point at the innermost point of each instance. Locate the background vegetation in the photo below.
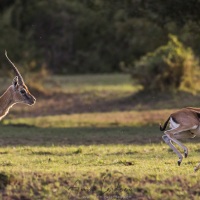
(93, 36)
(169, 67)
(94, 132)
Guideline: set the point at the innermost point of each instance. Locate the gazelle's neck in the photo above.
(6, 102)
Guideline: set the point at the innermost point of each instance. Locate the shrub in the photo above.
(170, 67)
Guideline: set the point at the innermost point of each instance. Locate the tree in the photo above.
(169, 67)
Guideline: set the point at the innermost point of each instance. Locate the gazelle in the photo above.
(16, 93)
(184, 123)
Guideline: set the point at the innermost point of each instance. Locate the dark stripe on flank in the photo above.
(174, 120)
(198, 115)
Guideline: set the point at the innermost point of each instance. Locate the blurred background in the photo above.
(92, 56)
(105, 73)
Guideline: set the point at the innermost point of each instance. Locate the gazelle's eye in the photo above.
(22, 91)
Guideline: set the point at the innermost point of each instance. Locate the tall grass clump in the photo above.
(170, 67)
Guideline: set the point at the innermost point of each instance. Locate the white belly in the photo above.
(196, 131)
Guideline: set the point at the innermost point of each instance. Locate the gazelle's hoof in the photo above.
(179, 163)
(185, 155)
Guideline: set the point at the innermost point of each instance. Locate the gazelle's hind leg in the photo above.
(168, 141)
(172, 133)
(181, 145)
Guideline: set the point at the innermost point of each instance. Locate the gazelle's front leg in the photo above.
(168, 141)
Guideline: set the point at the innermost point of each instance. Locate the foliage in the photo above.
(170, 67)
(162, 13)
(92, 36)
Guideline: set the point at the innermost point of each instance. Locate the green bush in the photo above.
(170, 67)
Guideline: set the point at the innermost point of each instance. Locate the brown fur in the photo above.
(185, 123)
(16, 93)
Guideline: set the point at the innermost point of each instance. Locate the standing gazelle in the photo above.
(16, 93)
(184, 123)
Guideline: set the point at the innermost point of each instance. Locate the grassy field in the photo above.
(93, 163)
(92, 139)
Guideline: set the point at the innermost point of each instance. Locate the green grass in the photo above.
(120, 83)
(109, 153)
(72, 163)
(105, 119)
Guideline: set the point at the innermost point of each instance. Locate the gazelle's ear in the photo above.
(15, 81)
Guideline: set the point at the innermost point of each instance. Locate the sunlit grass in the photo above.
(97, 171)
(85, 83)
(105, 119)
(60, 163)
(137, 160)
(94, 155)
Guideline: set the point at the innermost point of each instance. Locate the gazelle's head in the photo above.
(20, 92)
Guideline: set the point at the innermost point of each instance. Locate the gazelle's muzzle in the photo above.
(32, 101)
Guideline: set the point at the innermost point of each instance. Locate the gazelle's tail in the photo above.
(165, 125)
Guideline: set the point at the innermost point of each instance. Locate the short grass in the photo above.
(83, 83)
(93, 163)
(97, 119)
(108, 153)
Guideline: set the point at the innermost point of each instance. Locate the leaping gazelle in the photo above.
(16, 93)
(184, 123)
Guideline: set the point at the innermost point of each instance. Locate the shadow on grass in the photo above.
(32, 136)
(90, 102)
(146, 100)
